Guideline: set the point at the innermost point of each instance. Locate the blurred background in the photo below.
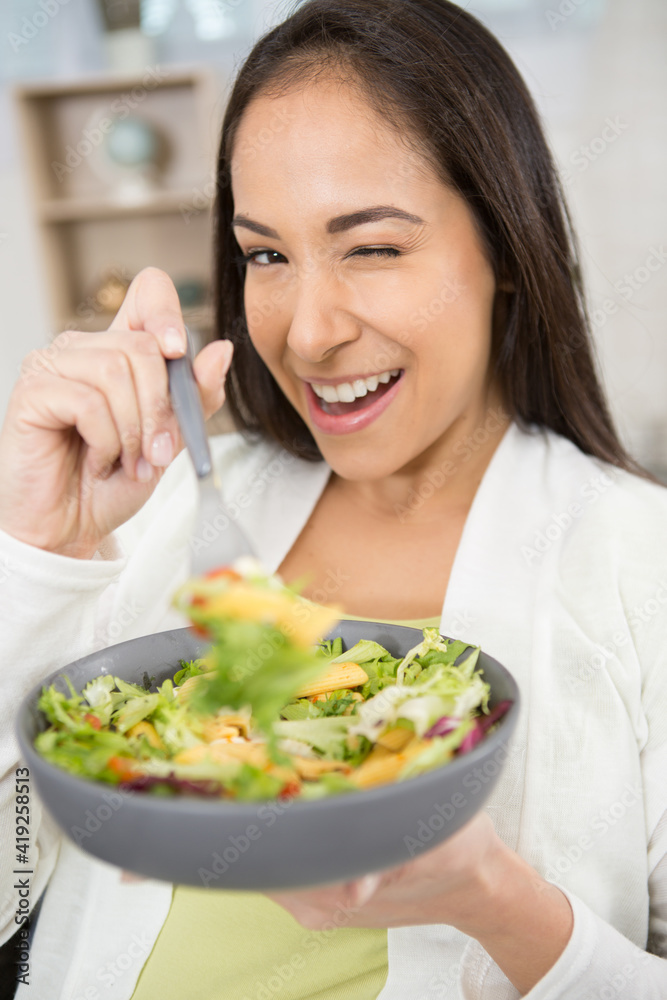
(109, 115)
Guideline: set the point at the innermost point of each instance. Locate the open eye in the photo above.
(262, 258)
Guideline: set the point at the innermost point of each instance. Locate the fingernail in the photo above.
(174, 341)
(144, 470)
(130, 877)
(366, 888)
(162, 449)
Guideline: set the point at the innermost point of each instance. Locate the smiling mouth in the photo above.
(349, 397)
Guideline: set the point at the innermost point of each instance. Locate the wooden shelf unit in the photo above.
(71, 209)
(86, 229)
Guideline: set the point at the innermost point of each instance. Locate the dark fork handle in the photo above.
(187, 407)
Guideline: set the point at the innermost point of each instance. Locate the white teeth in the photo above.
(347, 392)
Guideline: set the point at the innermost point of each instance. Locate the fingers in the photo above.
(109, 373)
(58, 404)
(152, 304)
(126, 365)
(363, 890)
(211, 366)
(131, 373)
(130, 878)
(88, 400)
(314, 907)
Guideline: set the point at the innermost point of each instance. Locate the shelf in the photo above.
(104, 83)
(73, 209)
(90, 227)
(197, 318)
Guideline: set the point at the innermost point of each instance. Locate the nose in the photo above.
(322, 316)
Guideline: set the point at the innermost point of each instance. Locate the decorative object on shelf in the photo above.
(211, 20)
(191, 292)
(134, 153)
(128, 48)
(119, 15)
(111, 291)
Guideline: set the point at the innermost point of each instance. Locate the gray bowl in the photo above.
(265, 845)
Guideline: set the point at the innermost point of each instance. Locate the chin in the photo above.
(358, 464)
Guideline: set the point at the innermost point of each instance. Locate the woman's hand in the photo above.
(432, 888)
(473, 882)
(90, 428)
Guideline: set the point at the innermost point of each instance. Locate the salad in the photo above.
(270, 711)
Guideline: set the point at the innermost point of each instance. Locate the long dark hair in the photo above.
(428, 66)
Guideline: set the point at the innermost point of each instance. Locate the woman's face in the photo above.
(368, 294)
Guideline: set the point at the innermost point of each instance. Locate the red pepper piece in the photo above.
(123, 767)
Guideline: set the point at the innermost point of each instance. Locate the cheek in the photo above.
(263, 307)
(267, 320)
(463, 304)
(450, 331)
(447, 313)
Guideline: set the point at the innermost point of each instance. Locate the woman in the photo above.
(397, 280)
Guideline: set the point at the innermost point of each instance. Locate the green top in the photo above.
(243, 946)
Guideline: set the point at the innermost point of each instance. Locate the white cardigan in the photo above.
(561, 574)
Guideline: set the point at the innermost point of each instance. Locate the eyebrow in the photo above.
(340, 223)
(343, 222)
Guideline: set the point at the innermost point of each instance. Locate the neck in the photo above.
(443, 478)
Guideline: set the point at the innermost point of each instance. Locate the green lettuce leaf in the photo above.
(82, 753)
(302, 709)
(255, 665)
(331, 647)
(188, 669)
(62, 710)
(362, 652)
(326, 735)
(332, 783)
(422, 695)
(98, 694)
(134, 710)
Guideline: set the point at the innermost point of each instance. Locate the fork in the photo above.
(219, 546)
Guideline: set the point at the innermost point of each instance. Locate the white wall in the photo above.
(23, 317)
(599, 75)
